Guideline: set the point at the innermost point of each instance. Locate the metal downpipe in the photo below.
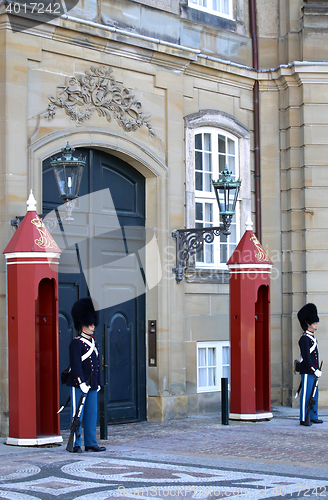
(256, 104)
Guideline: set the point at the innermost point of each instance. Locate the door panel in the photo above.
(262, 351)
(109, 251)
(120, 279)
(127, 186)
(124, 195)
(68, 294)
(121, 353)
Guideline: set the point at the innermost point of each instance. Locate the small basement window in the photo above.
(213, 363)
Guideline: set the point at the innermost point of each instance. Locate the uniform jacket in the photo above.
(87, 371)
(309, 353)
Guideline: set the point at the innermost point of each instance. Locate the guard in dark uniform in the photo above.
(85, 373)
(309, 366)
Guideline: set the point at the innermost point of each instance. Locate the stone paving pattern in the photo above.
(195, 457)
(205, 436)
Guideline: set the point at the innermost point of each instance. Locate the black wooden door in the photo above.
(109, 265)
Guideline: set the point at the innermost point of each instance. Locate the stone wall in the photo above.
(178, 67)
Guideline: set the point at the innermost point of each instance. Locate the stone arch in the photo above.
(126, 148)
(139, 156)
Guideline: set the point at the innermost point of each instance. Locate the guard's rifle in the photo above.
(64, 406)
(311, 401)
(76, 423)
(297, 369)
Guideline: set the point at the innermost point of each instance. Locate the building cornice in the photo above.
(155, 50)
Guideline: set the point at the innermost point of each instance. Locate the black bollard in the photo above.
(224, 402)
(103, 397)
(103, 414)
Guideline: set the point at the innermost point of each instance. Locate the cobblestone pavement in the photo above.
(195, 457)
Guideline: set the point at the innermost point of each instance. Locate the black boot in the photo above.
(95, 448)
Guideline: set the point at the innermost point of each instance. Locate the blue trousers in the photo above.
(307, 384)
(88, 417)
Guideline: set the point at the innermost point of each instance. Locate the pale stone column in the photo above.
(314, 46)
(169, 382)
(292, 267)
(14, 188)
(271, 220)
(304, 128)
(314, 121)
(175, 155)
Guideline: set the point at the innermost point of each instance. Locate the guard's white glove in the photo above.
(317, 373)
(84, 387)
(98, 388)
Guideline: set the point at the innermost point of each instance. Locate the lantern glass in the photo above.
(68, 172)
(60, 179)
(226, 191)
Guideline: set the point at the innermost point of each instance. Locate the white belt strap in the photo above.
(314, 340)
(92, 346)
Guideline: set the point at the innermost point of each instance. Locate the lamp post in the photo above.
(68, 172)
(190, 241)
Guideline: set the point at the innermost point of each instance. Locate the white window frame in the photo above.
(208, 198)
(218, 346)
(209, 6)
(219, 121)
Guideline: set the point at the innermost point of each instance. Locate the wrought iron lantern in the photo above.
(190, 241)
(68, 172)
(226, 192)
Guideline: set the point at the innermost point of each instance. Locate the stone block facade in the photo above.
(186, 67)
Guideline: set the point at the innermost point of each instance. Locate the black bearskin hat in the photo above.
(84, 314)
(307, 315)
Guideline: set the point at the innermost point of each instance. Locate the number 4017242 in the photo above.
(33, 8)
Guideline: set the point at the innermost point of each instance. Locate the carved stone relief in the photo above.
(98, 91)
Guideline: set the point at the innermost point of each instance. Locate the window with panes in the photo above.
(217, 7)
(215, 150)
(213, 363)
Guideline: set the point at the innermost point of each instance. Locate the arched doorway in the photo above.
(121, 332)
(262, 350)
(46, 359)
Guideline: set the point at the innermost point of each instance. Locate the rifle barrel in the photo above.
(75, 422)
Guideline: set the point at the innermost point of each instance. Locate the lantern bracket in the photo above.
(190, 241)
